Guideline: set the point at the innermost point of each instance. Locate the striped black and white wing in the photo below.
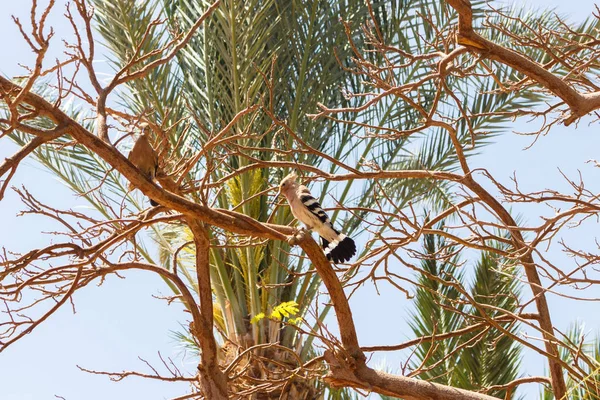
(337, 246)
(313, 207)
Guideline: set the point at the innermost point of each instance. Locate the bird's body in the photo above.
(145, 159)
(337, 246)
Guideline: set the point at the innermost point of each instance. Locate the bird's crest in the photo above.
(287, 182)
(290, 178)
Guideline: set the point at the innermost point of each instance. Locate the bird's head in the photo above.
(288, 184)
(145, 129)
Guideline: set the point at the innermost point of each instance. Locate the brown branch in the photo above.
(579, 103)
(11, 163)
(163, 60)
(426, 339)
(214, 382)
(520, 381)
(58, 304)
(369, 379)
(343, 312)
(119, 376)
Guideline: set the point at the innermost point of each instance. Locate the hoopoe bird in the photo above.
(337, 246)
(144, 158)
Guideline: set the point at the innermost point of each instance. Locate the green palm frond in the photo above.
(495, 284)
(481, 361)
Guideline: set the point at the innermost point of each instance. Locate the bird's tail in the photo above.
(340, 250)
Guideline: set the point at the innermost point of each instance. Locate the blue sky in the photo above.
(121, 320)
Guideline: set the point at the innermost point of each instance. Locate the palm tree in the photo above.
(277, 54)
(475, 360)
